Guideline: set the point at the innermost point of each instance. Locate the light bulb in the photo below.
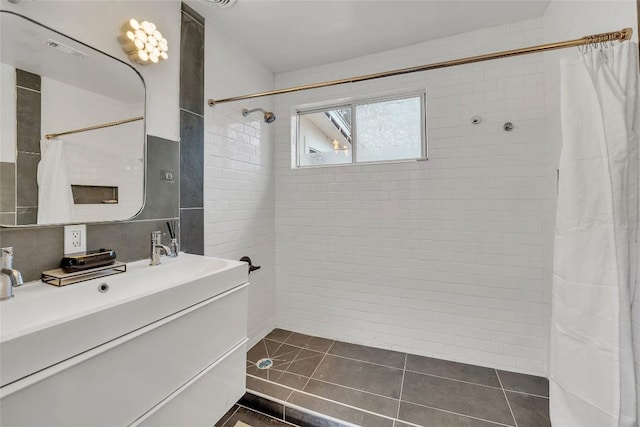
(132, 46)
(142, 42)
(147, 27)
(130, 25)
(140, 57)
(127, 37)
(141, 35)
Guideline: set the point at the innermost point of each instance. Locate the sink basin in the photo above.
(44, 325)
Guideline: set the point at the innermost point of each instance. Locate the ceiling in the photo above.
(287, 35)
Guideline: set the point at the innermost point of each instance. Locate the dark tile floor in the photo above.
(372, 387)
(250, 418)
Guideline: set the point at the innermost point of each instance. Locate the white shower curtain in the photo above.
(592, 377)
(55, 199)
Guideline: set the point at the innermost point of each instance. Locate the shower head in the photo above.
(269, 117)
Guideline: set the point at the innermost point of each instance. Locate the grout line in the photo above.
(306, 342)
(306, 358)
(527, 394)
(459, 414)
(314, 371)
(346, 405)
(307, 410)
(342, 357)
(277, 355)
(193, 18)
(29, 89)
(289, 396)
(192, 112)
(507, 399)
(454, 379)
(404, 371)
(234, 412)
(267, 415)
(265, 349)
(355, 389)
(409, 370)
(366, 410)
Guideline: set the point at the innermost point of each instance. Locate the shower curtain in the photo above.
(55, 199)
(592, 378)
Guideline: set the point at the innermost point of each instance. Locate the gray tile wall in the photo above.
(7, 193)
(40, 248)
(28, 133)
(192, 131)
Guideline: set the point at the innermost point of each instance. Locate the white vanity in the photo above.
(156, 346)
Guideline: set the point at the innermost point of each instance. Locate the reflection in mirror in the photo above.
(325, 137)
(52, 84)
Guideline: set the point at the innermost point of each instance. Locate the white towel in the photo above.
(55, 199)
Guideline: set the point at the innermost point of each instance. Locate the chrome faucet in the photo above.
(9, 277)
(157, 248)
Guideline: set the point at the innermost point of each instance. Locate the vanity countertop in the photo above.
(43, 324)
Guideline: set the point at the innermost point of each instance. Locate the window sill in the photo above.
(381, 162)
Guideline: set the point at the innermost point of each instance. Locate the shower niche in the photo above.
(65, 98)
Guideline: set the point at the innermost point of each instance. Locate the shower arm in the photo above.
(246, 112)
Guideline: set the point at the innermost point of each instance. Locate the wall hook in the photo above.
(508, 126)
(251, 266)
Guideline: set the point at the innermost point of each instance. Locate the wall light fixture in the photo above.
(143, 42)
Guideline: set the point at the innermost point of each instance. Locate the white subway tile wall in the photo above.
(448, 258)
(443, 258)
(114, 157)
(238, 174)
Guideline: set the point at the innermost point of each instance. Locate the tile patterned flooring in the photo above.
(249, 417)
(381, 388)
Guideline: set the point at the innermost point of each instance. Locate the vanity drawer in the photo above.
(116, 383)
(206, 398)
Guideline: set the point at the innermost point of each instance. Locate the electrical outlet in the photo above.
(75, 238)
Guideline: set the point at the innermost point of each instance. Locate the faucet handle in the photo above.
(6, 256)
(156, 236)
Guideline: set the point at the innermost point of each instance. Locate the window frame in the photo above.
(424, 153)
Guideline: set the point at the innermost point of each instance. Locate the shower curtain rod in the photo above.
(104, 125)
(621, 35)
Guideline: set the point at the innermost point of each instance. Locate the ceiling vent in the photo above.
(61, 47)
(220, 3)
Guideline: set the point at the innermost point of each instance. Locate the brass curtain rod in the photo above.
(104, 125)
(624, 34)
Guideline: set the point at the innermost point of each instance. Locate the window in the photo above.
(368, 131)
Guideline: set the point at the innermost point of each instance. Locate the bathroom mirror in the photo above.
(53, 84)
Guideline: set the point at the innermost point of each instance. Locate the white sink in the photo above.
(44, 325)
